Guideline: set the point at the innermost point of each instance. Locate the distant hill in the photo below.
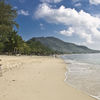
(61, 46)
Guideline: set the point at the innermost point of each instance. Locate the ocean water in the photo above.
(83, 72)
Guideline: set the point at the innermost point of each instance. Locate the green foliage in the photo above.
(14, 43)
(1, 47)
(10, 41)
(7, 22)
(7, 15)
(39, 49)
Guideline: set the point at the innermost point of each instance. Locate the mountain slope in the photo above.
(61, 46)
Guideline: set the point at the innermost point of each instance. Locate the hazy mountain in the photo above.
(61, 46)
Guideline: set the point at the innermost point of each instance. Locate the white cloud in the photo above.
(15, 7)
(22, 1)
(23, 12)
(50, 1)
(68, 32)
(80, 23)
(75, 0)
(94, 2)
(42, 26)
(77, 4)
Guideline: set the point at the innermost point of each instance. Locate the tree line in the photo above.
(10, 41)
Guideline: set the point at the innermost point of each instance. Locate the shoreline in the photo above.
(38, 78)
(97, 98)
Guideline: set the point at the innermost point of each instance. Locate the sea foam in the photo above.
(82, 74)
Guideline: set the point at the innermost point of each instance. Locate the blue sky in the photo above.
(76, 21)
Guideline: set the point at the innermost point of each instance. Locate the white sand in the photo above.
(36, 78)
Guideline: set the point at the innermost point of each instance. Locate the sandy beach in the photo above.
(36, 78)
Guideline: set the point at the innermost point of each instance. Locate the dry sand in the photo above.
(36, 78)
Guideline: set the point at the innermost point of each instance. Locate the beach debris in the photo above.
(13, 80)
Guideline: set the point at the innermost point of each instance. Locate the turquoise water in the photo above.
(83, 72)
